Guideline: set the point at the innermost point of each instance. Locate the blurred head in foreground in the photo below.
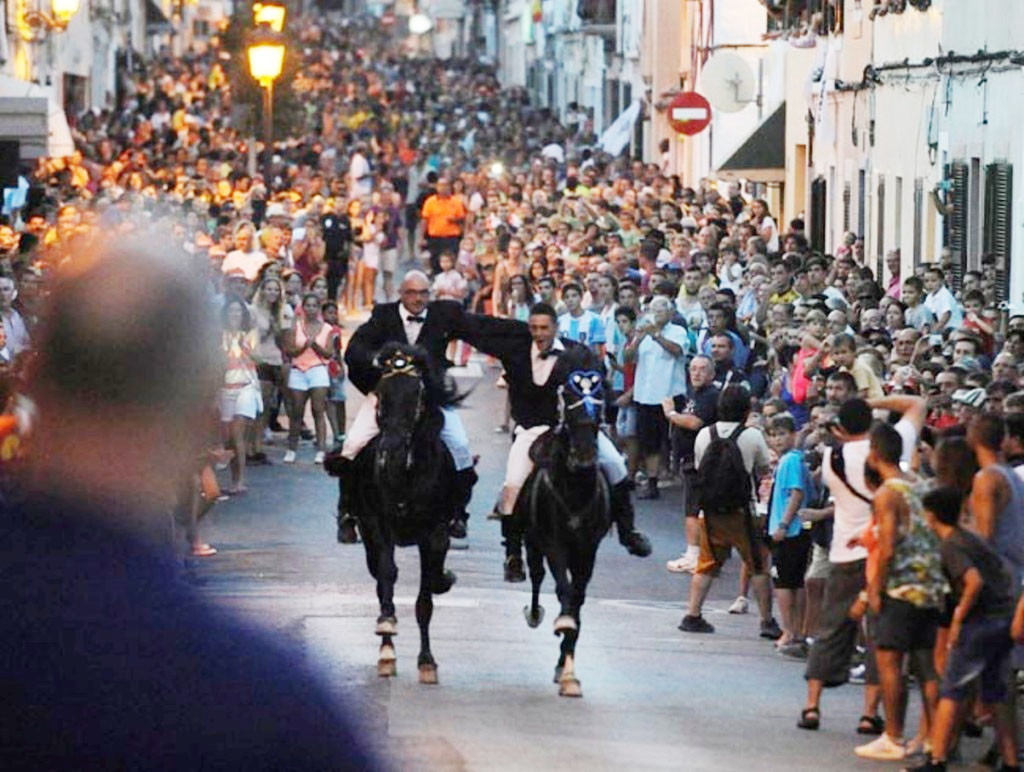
(127, 368)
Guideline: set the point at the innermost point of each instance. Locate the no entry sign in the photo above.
(689, 113)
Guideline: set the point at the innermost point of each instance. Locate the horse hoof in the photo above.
(387, 626)
(428, 674)
(387, 668)
(533, 620)
(443, 583)
(565, 624)
(570, 687)
(558, 674)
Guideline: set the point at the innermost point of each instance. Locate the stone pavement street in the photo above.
(654, 698)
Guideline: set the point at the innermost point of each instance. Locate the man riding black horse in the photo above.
(400, 488)
(529, 353)
(429, 325)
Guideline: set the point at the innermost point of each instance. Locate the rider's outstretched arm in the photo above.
(493, 336)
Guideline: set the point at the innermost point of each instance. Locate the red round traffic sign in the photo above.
(689, 113)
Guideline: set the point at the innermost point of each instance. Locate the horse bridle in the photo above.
(586, 386)
(401, 365)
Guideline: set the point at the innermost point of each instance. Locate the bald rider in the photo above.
(431, 325)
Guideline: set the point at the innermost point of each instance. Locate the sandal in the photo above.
(203, 551)
(870, 725)
(809, 718)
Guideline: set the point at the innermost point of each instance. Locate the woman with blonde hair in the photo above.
(272, 318)
(240, 398)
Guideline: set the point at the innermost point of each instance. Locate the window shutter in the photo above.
(818, 204)
(956, 223)
(997, 231)
(918, 218)
(847, 203)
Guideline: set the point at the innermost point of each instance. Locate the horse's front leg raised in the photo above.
(431, 562)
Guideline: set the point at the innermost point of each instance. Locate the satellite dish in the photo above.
(727, 82)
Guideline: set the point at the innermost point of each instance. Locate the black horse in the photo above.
(401, 488)
(564, 508)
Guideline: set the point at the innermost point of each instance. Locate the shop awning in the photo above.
(616, 137)
(762, 156)
(30, 114)
(157, 22)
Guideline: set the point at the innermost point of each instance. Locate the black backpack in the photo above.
(723, 484)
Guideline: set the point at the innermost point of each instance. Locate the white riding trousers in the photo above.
(520, 465)
(364, 428)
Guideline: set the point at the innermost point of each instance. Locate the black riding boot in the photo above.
(624, 516)
(347, 533)
(512, 537)
(462, 493)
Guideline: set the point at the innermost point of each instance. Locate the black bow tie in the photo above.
(417, 319)
(551, 352)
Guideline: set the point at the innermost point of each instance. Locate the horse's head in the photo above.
(581, 399)
(402, 401)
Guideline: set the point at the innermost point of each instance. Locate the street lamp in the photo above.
(266, 58)
(33, 24)
(420, 24)
(269, 13)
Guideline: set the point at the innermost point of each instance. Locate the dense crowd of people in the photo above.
(875, 419)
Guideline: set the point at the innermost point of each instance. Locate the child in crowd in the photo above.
(975, 321)
(791, 544)
(449, 284)
(623, 372)
(844, 354)
(979, 631)
(336, 371)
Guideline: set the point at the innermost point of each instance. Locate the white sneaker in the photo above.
(319, 457)
(739, 606)
(289, 457)
(684, 564)
(882, 748)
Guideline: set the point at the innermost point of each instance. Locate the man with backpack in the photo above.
(728, 453)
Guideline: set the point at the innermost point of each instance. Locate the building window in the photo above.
(974, 216)
(880, 223)
(998, 224)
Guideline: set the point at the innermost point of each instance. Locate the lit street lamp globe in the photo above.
(63, 10)
(420, 24)
(266, 58)
(270, 13)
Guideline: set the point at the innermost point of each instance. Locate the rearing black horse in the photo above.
(401, 487)
(564, 507)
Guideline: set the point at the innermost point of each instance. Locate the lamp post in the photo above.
(266, 58)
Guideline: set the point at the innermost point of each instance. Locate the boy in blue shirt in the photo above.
(577, 323)
(791, 544)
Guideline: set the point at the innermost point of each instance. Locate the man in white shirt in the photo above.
(249, 263)
(828, 663)
(940, 301)
(359, 173)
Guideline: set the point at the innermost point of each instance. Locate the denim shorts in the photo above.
(983, 650)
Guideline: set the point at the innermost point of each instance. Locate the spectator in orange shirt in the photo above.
(444, 216)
